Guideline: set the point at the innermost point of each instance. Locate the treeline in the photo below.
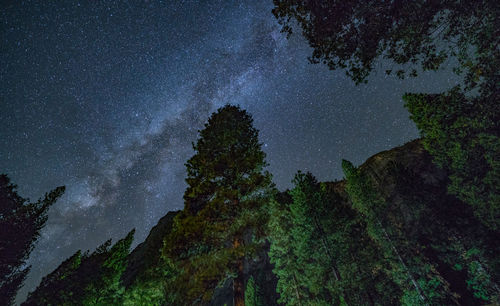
(389, 234)
(395, 241)
(86, 279)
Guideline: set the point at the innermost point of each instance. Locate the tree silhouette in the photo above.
(352, 35)
(20, 225)
(223, 216)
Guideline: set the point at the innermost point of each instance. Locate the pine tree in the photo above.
(223, 220)
(56, 287)
(365, 277)
(20, 225)
(320, 274)
(281, 253)
(321, 252)
(106, 288)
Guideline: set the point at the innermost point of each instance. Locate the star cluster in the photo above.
(106, 98)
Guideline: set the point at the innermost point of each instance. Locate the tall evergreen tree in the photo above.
(222, 223)
(321, 252)
(106, 288)
(281, 252)
(320, 273)
(147, 270)
(20, 225)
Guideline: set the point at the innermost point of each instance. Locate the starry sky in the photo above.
(106, 98)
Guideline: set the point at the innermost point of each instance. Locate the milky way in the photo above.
(106, 98)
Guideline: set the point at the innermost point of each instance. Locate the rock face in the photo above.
(148, 252)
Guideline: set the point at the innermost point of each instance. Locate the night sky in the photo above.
(106, 98)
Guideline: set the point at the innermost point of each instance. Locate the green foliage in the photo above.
(322, 255)
(461, 134)
(411, 268)
(352, 35)
(281, 252)
(147, 272)
(253, 294)
(148, 289)
(85, 279)
(365, 199)
(222, 222)
(106, 287)
(20, 225)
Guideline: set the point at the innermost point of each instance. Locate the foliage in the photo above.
(222, 222)
(147, 272)
(281, 253)
(85, 279)
(461, 133)
(321, 253)
(352, 35)
(312, 250)
(253, 293)
(148, 288)
(20, 225)
(415, 272)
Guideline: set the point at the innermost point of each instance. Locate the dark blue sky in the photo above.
(106, 97)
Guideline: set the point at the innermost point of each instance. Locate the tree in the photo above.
(352, 35)
(460, 127)
(56, 287)
(461, 133)
(86, 279)
(146, 271)
(321, 252)
(281, 253)
(415, 272)
(20, 225)
(320, 273)
(106, 288)
(253, 293)
(222, 223)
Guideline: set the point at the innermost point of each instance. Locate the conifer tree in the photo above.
(20, 225)
(321, 252)
(313, 251)
(253, 293)
(281, 252)
(223, 220)
(106, 288)
(365, 276)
